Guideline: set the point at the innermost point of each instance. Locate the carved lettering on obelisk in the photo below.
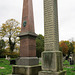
(51, 26)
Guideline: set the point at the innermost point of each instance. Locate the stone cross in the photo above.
(51, 57)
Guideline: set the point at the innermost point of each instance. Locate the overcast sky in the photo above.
(66, 12)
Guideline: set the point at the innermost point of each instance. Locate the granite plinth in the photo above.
(52, 61)
(52, 73)
(27, 61)
(28, 44)
(26, 70)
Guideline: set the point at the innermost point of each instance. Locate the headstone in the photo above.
(6, 57)
(27, 63)
(51, 57)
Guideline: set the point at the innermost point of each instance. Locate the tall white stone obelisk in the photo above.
(51, 57)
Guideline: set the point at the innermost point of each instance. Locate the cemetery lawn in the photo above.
(69, 68)
(5, 67)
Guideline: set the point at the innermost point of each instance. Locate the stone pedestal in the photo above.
(27, 61)
(52, 63)
(28, 44)
(26, 70)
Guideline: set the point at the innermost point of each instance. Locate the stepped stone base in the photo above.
(26, 70)
(52, 73)
(27, 61)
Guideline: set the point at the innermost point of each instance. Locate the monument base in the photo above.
(26, 70)
(27, 61)
(52, 73)
(52, 61)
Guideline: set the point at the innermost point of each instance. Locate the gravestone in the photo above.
(6, 57)
(27, 63)
(51, 57)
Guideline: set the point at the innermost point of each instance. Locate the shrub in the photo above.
(12, 55)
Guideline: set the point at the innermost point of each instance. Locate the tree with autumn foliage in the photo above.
(66, 47)
(10, 29)
(63, 47)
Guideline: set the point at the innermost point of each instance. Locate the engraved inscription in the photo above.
(51, 25)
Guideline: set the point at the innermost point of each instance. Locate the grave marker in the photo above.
(27, 63)
(51, 57)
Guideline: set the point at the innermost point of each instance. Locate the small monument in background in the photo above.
(6, 57)
(27, 63)
(51, 57)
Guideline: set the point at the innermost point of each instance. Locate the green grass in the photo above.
(66, 62)
(7, 67)
(69, 68)
(70, 71)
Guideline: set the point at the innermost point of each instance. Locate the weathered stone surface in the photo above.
(52, 61)
(26, 70)
(51, 40)
(52, 73)
(51, 57)
(27, 61)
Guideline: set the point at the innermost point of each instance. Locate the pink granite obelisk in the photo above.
(28, 44)
(27, 63)
(27, 36)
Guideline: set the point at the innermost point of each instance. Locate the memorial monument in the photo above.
(27, 63)
(51, 57)
(27, 37)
